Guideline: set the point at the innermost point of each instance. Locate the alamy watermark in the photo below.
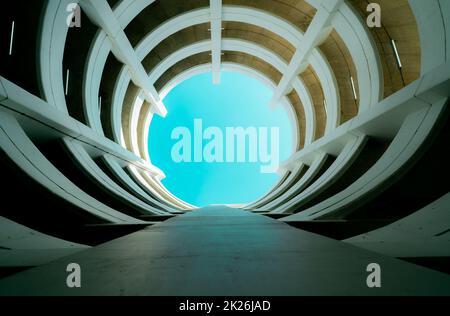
(74, 17)
(374, 278)
(231, 145)
(373, 18)
(73, 279)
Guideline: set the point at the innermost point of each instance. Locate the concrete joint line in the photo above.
(3, 93)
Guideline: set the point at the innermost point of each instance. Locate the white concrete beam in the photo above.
(23, 104)
(101, 14)
(216, 38)
(384, 119)
(317, 32)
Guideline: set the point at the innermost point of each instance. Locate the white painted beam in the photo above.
(23, 104)
(250, 49)
(216, 38)
(384, 119)
(101, 14)
(317, 32)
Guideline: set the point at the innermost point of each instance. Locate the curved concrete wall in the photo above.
(108, 145)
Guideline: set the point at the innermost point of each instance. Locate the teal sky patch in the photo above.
(238, 102)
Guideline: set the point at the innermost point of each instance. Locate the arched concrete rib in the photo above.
(150, 189)
(53, 32)
(126, 9)
(23, 104)
(226, 66)
(234, 45)
(233, 67)
(280, 189)
(16, 144)
(262, 19)
(432, 19)
(345, 159)
(115, 121)
(204, 46)
(412, 135)
(95, 64)
(131, 185)
(299, 186)
(245, 15)
(94, 172)
(115, 117)
(357, 37)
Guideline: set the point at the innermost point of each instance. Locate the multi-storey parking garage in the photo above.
(368, 182)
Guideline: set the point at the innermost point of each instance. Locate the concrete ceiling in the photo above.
(397, 18)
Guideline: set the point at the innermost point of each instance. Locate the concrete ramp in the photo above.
(223, 251)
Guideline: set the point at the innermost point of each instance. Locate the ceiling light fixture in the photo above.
(394, 47)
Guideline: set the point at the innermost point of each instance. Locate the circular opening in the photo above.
(221, 144)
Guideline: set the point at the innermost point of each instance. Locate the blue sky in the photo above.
(239, 101)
